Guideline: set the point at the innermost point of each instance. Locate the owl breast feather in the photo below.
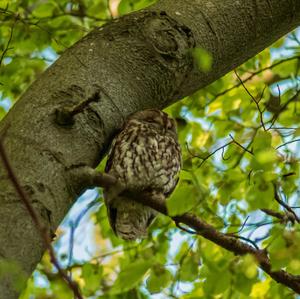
(144, 156)
(146, 161)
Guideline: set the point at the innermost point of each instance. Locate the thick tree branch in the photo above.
(142, 60)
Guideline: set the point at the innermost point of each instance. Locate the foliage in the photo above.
(240, 145)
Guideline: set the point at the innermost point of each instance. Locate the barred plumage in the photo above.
(144, 156)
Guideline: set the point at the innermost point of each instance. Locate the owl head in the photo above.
(157, 119)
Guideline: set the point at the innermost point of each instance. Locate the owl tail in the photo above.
(130, 219)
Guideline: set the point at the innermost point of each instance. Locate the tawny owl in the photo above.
(144, 156)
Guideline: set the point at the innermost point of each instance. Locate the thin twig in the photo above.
(254, 100)
(39, 226)
(74, 225)
(284, 218)
(241, 146)
(286, 143)
(242, 227)
(244, 239)
(283, 204)
(251, 76)
(283, 107)
(178, 273)
(9, 41)
(209, 155)
(189, 231)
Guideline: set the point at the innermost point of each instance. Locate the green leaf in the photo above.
(189, 270)
(143, 3)
(44, 9)
(182, 200)
(249, 266)
(261, 195)
(61, 288)
(125, 6)
(284, 249)
(264, 159)
(297, 132)
(217, 282)
(159, 279)
(262, 141)
(92, 274)
(12, 270)
(130, 276)
(203, 59)
(278, 252)
(244, 284)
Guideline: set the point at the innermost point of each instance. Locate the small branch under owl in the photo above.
(141, 172)
(192, 222)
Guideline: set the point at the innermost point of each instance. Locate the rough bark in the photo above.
(139, 61)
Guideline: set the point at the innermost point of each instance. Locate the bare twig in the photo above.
(286, 143)
(283, 217)
(254, 99)
(209, 155)
(283, 204)
(253, 74)
(7, 48)
(178, 273)
(284, 106)
(189, 231)
(242, 227)
(247, 147)
(73, 226)
(241, 146)
(65, 115)
(244, 239)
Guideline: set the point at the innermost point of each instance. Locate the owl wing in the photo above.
(170, 191)
(111, 154)
(112, 211)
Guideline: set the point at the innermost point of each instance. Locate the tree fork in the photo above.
(142, 60)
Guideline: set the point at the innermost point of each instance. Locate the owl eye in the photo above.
(151, 121)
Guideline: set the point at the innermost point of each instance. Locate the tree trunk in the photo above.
(139, 61)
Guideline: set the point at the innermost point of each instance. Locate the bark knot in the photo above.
(167, 36)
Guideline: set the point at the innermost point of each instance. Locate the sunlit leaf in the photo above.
(159, 279)
(203, 59)
(183, 199)
(131, 276)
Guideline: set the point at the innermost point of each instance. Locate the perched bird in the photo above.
(145, 157)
